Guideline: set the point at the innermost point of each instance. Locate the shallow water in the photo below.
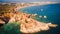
(51, 11)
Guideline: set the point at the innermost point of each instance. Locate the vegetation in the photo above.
(10, 28)
(7, 8)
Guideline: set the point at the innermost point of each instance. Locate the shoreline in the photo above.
(33, 26)
(33, 4)
(29, 25)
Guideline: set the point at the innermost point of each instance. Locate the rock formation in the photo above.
(27, 24)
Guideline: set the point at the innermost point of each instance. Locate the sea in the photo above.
(50, 11)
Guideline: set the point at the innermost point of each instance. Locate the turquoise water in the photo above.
(52, 11)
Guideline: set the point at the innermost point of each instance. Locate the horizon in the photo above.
(29, 0)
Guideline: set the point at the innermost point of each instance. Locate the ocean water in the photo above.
(51, 11)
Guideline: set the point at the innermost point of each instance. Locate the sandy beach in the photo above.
(24, 5)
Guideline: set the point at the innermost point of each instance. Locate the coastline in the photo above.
(31, 27)
(33, 4)
(28, 25)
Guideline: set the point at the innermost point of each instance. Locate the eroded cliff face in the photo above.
(27, 24)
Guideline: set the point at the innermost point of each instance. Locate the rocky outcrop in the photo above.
(27, 24)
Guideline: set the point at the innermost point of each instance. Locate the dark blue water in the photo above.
(52, 11)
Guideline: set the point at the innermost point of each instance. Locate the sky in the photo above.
(28, 0)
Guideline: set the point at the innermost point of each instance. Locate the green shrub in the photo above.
(10, 28)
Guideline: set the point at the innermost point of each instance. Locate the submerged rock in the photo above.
(52, 25)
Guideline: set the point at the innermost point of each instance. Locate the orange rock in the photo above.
(2, 22)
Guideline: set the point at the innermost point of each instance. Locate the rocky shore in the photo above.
(27, 24)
